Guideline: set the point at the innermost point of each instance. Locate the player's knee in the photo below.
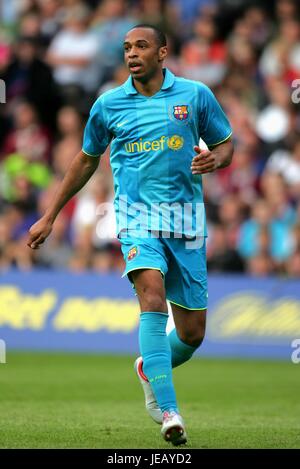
(193, 336)
(195, 340)
(153, 301)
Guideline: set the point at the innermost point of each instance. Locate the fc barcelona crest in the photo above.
(132, 253)
(181, 112)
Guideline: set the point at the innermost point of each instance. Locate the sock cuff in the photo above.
(157, 316)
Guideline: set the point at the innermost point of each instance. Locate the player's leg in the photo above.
(188, 333)
(186, 286)
(153, 341)
(155, 350)
(146, 254)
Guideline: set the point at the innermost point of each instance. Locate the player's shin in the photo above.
(156, 353)
(180, 351)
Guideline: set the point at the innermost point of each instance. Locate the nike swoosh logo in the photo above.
(121, 123)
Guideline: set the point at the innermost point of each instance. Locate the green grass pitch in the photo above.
(51, 400)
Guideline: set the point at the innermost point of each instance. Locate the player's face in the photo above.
(143, 56)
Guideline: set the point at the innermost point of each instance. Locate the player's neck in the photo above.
(152, 86)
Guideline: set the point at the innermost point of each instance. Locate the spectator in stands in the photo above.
(220, 256)
(69, 125)
(120, 75)
(292, 264)
(50, 19)
(260, 265)
(231, 213)
(287, 164)
(111, 22)
(280, 58)
(94, 214)
(29, 138)
(72, 55)
(276, 195)
(28, 77)
(5, 240)
(287, 9)
(203, 57)
(263, 234)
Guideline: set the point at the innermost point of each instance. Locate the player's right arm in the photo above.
(79, 172)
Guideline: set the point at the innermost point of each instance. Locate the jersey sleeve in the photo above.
(96, 137)
(214, 125)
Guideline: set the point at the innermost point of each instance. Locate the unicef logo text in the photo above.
(175, 142)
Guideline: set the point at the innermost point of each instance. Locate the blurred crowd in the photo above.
(57, 56)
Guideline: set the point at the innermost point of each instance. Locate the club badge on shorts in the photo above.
(132, 253)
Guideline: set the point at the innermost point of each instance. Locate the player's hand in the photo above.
(39, 232)
(204, 162)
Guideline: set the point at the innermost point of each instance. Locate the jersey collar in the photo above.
(167, 83)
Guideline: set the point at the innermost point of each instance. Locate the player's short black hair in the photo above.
(160, 35)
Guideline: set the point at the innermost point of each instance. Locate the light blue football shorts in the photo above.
(181, 261)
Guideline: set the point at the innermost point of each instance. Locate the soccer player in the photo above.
(154, 122)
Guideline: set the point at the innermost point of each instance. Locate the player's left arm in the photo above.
(215, 130)
(207, 161)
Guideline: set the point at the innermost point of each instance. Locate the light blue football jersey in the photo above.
(152, 140)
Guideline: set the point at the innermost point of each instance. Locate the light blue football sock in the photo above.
(156, 353)
(180, 351)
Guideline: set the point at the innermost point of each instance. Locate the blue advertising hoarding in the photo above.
(49, 310)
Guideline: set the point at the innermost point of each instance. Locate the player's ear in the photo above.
(162, 53)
